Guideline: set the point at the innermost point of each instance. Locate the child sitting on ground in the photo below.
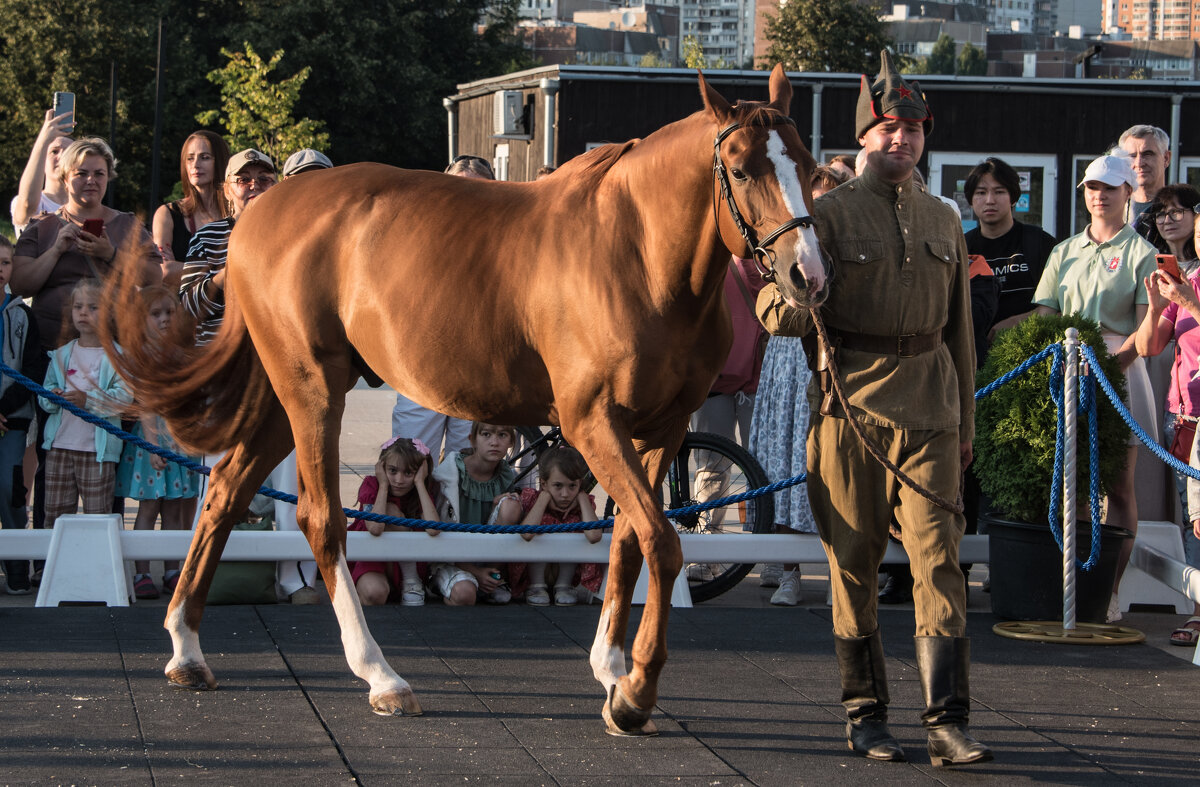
(476, 482)
(81, 459)
(402, 486)
(160, 487)
(559, 500)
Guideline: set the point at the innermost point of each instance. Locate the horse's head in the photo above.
(762, 173)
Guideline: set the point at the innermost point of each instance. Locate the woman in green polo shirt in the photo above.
(1099, 273)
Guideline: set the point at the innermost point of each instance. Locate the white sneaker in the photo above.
(788, 594)
(770, 576)
(537, 596)
(699, 572)
(564, 596)
(1114, 609)
(412, 594)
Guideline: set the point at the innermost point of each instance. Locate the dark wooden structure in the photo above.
(1069, 120)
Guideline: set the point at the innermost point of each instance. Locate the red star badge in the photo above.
(904, 92)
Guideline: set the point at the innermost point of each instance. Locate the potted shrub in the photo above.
(1014, 462)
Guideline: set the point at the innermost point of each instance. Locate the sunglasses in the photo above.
(262, 180)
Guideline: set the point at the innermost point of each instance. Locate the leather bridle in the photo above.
(764, 257)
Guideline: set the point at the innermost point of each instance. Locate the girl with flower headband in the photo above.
(403, 486)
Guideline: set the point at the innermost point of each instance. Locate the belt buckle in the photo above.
(903, 348)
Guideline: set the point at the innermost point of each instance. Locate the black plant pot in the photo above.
(1026, 570)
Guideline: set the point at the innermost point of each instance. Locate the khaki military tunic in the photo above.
(899, 268)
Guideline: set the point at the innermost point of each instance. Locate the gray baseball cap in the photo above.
(305, 159)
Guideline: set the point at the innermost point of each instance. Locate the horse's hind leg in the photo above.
(234, 481)
(318, 400)
(641, 532)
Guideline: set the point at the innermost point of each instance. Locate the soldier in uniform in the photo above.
(899, 317)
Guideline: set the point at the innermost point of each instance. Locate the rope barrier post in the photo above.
(1069, 415)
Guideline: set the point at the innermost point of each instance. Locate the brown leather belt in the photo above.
(902, 346)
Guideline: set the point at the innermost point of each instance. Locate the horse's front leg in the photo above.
(641, 533)
(232, 486)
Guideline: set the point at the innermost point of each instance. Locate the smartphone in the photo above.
(93, 226)
(64, 102)
(1169, 265)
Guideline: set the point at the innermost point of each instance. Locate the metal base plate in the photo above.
(1082, 634)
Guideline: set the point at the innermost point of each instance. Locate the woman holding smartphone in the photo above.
(1174, 313)
(56, 252)
(1174, 224)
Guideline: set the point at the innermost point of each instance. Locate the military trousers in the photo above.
(854, 498)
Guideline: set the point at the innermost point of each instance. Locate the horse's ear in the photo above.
(714, 102)
(780, 89)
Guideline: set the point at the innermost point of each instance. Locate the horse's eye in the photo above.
(737, 174)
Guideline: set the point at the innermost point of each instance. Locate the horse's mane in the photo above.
(596, 161)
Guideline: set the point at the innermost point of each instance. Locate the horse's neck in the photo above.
(669, 178)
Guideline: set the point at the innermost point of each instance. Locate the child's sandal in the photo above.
(537, 596)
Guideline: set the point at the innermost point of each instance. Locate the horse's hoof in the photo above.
(397, 702)
(197, 677)
(624, 719)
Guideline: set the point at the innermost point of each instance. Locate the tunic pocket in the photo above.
(943, 250)
(860, 250)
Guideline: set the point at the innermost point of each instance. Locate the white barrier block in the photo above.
(681, 594)
(84, 562)
(1138, 587)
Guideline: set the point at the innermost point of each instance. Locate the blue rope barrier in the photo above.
(370, 516)
(1087, 403)
(1106, 385)
(1053, 350)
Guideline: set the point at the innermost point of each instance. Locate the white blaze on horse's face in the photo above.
(808, 250)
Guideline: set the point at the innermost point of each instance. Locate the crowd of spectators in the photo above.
(68, 241)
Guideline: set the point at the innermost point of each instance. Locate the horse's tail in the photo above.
(210, 395)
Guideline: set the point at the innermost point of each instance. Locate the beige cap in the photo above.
(239, 161)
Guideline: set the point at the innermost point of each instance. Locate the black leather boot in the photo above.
(865, 697)
(945, 666)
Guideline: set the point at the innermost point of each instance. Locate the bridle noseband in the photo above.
(764, 258)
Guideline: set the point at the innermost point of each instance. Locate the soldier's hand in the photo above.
(966, 454)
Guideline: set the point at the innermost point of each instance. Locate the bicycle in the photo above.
(706, 468)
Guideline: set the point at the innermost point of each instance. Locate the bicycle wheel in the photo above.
(706, 468)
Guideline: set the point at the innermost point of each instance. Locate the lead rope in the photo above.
(872, 447)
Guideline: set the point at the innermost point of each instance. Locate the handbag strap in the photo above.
(739, 277)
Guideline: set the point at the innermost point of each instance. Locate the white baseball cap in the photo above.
(1111, 170)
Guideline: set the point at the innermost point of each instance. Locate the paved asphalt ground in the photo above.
(749, 696)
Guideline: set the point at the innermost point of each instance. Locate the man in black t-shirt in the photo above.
(1016, 252)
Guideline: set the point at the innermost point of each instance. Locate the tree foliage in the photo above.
(826, 35)
(692, 53)
(972, 61)
(378, 72)
(941, 59)
(1015, 424)
(256, 112)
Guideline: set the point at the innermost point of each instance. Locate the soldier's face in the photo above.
(893, 148)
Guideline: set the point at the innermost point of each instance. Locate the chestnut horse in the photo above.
(591, 299)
